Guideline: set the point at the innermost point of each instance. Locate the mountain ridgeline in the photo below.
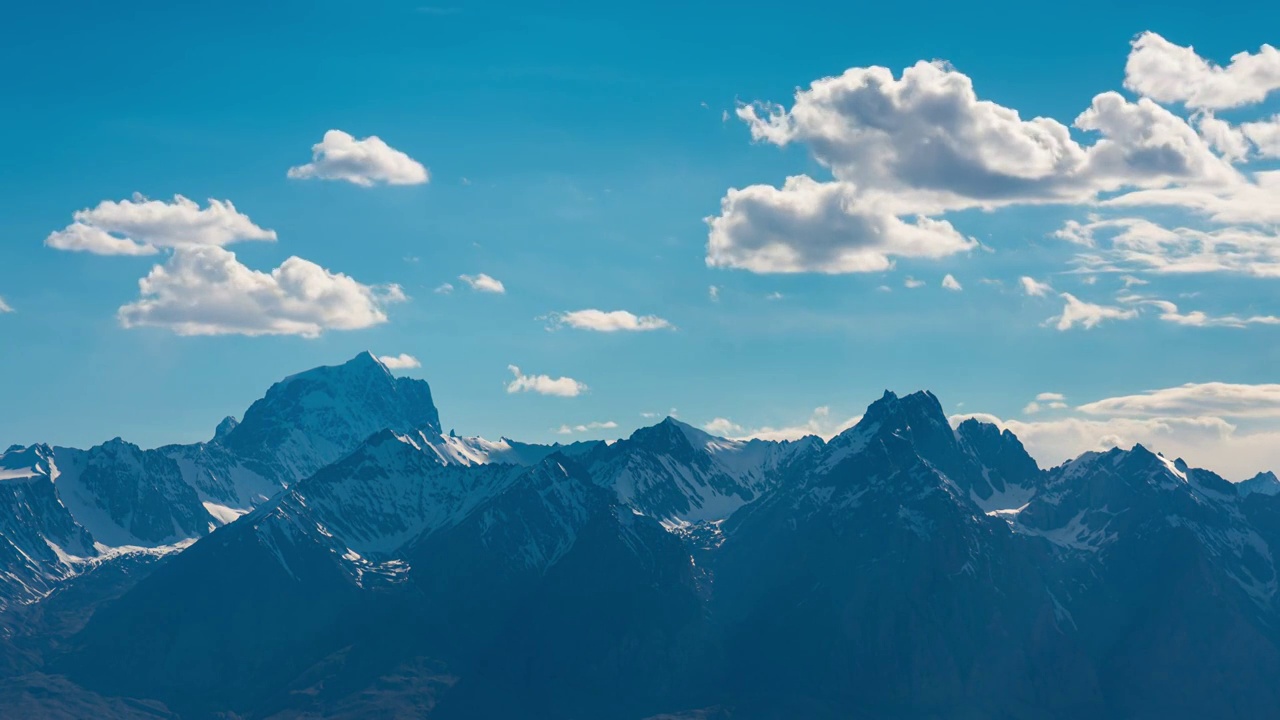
(335, 554)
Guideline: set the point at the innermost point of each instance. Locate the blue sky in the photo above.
(574, 154)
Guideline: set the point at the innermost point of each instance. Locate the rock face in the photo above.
(903, 569)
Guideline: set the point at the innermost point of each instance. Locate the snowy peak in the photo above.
(669, 437)
(21, 463)
(679, 475)
(313, 418)
(127, 496)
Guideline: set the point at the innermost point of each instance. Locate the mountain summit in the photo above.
(309, 420)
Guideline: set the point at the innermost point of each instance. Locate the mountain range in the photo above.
(335, 554)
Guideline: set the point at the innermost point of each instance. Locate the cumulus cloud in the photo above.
(1034, 287)
(205, 290)
(5, 307)
(1264, 136)
(925, 142)
(367, 162)
(544, 384)
(807, 226)
(611, 321)
(1195, 399)
(1088, 315)
(904, 151)
(481, 283)
(443, 289)
(820, 423)
(1248, 140)
(140, 226)
(950, 283)
(586, 427)
(403, 361)
(911, 283)
(713, 292)
(1171, 73)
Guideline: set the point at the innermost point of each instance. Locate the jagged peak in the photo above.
(225, 427)
(1264, 483)
(920, 403)
(117, 444)
(34, 458)
(892, 413)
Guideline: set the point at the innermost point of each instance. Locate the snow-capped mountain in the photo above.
(116, 498)
(341, 556)
(680, 475)
(311, 419)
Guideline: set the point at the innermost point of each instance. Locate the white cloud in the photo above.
(443, 289)
(367, 162)
(612, 321)
(1034, 287)
(1264, 135)
(586, 427)
(482, 283)
(722, 427)
(713, 292)
(924, 142)
(5, 307)
(775, 295)
(1140, 244)
(1195, 399)
(903, 151)
(820, 423)
(911, 283)
(1255, 200)
(807, 226)
(205, 290)
(950, 283)
(1130, 281)
(1172, 73)
(1045, 401)
(544, 384)
(1169, 313)
(1222, 136)
(1088, 315)
(403, 361)
(139, 226)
